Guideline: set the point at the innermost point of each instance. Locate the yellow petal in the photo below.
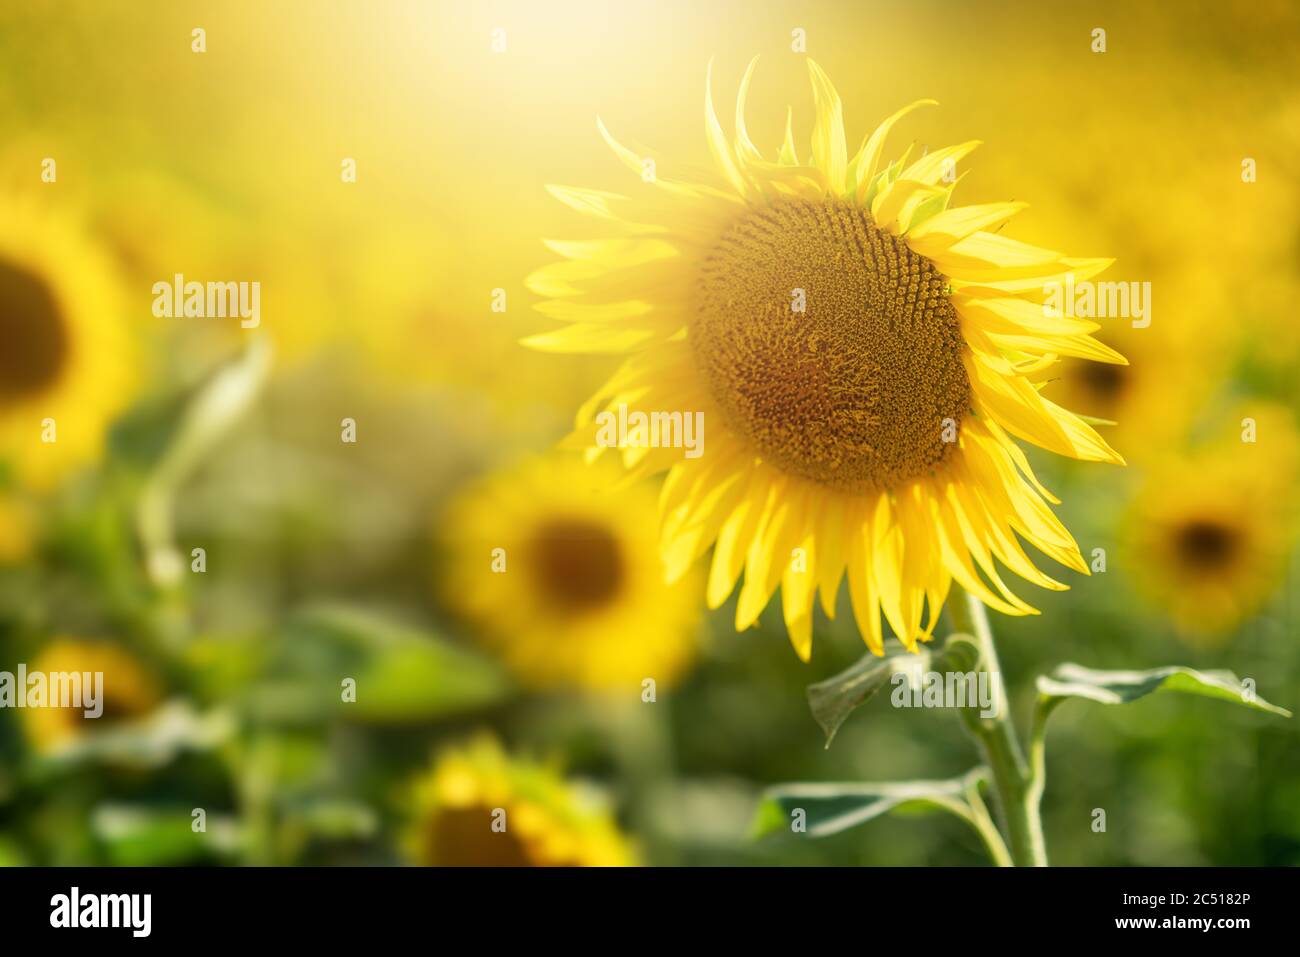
(636, 163)
(789, 155)
(769, 554)
(830, 554)
(943, 229)
(569, 311)
(745, 149)
(983, 249)
(718, 146)
(1081, 347)
(829, 150)
(974, 527)
(613, 252)
(798, 592)
(591, 338)
(733, 545)
(957, 559)
(862, 584)
(868, 160)
(1016, 405)
(931, 167)
(890, 202)
(600, 205)
(995, 312)
(1036, 284)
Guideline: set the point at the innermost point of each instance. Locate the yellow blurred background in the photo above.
(378, 304)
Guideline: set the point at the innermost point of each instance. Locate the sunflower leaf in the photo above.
(820, 810)
(404, 672)
(214, 410)
(834, 699)
(151, 741)
(1121, 687)
(134, 835)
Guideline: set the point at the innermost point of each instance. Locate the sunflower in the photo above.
(478, 807)
(864, 357)
(129, 691)
(66, 365)
(561, 574)
(1209, 534)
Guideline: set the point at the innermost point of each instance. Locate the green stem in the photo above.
(1018, 788)
(983, 822)
(1038, 748)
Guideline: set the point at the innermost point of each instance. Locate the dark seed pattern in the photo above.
(852, 392)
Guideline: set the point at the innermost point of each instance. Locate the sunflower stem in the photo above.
(1019, 789)
(982, 821)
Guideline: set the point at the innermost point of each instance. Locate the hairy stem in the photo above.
(1018, 788)
(983, 822)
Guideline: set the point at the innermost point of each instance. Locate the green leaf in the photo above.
(1121, 687)
(832, 808)
(11, 855)
(833, 700)
(419, 681)
(135, 836)
(150, 741)
(214, 410)
(333, 818)
(404, 673)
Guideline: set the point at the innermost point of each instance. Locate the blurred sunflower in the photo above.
(1152, 401)
(576, 595)
(1209, 534)
(863, 355)
(129, 691)
(155, 225)
(67, 363)
(478, 807)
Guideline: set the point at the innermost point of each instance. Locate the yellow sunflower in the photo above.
(66, 365)
(478, 807)
(1210, 533)
(863, 356)
(129, 691)
(560, 574)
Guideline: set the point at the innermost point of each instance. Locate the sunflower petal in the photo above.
(829, 150)
(941, 231)
(746, 151)
(932, 167)
(719, 148)
(789, 156)
(588, 338)
(798, 594)
(867, 161)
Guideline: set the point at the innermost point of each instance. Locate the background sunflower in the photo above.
(1211, 533)
(68, 364)
(556, 566)
(126, 691)
(478, 807)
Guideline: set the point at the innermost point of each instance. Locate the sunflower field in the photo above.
(570, 433)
